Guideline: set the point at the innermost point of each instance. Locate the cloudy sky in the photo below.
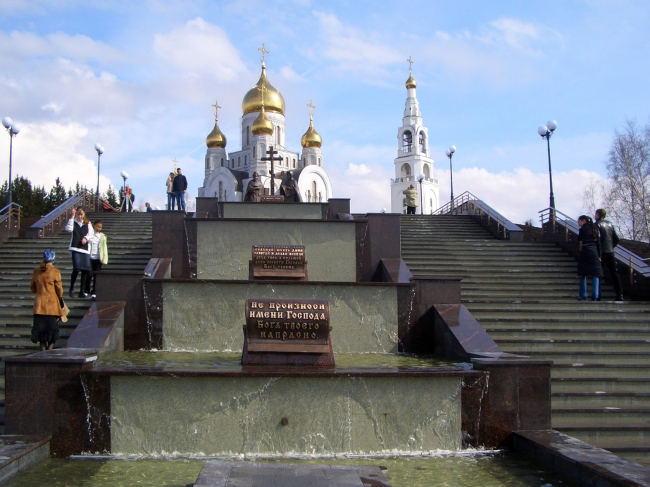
(140, 77)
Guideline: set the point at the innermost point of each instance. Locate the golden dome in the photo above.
(411, 83)
(216, 139)
(311, 137)
(262, 125)
(273, 101)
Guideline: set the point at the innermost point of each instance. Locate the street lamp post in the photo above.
(12, 129)
(450, 154)
(125, 203)
(420, 179)
(545, 131)
(100, 151)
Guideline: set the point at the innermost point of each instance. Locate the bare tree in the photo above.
(628, 166)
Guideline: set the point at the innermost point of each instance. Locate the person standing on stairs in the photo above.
(81, 230)
(608, 240)
(98, 256)
(171, 198)
(589, 259)
(180, 186)
(411, 200)
(46, 284)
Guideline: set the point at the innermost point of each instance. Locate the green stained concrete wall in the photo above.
(231, 416)
(208, 317)
(273, 211)
(224, 248)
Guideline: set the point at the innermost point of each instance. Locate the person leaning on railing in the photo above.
(608, 240)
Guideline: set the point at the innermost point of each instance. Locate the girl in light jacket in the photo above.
(98, 256)
(81, 230)
(170, 191)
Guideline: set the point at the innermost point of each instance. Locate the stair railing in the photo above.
(495, 222)
(9, 221)
(563, 230)
(51, 224)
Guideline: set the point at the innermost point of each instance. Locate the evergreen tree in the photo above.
(111, 197)
(56, 197)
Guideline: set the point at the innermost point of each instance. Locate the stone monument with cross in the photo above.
(227, 174)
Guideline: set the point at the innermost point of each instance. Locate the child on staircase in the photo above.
(98, 256)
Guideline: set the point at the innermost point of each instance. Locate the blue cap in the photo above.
(49, 255)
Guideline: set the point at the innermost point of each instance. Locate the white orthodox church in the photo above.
(263, 126)
(413, 162)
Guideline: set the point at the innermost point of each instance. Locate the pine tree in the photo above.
(111, 197)
(56, 197)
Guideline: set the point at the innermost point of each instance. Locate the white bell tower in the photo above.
(413, 159)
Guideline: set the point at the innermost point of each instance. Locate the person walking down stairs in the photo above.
(81, 230)
(46, 284)
(98, 256)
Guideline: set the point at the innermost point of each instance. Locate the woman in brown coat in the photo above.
(46, 283)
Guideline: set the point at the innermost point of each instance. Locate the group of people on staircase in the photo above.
(597, 242)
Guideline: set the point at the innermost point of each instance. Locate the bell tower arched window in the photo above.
(407, 141)
(421, 142)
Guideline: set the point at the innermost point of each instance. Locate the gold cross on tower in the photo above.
(175, 164)
(264, 51)
(263, 89)
(410, 61)
(311, 108)
(216, 110)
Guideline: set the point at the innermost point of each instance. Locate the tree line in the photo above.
(626, 193)
(36, 201)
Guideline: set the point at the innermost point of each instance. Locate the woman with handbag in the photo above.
(81, 230)
(48, 303)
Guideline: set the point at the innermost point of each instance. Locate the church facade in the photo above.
(413, 164)
(263, 128)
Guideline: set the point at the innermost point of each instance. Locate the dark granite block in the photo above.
(578, 461)
(336, 206)
(169, 239)
(102, 328)
(472, 397)
(19, 452)
(150, 333)
(127, 287)
(458, 336)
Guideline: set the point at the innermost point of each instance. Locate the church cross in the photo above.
(271, 156)
(263, 89)
(263, 51)
(175, 164)
(410, 61)
(216, 110)
(311, 108)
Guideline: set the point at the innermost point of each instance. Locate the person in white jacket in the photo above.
(81, 230)
(98, 256)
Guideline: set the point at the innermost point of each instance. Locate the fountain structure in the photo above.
(156, 367)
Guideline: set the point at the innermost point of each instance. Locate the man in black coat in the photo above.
(608, 240)
(179, 186)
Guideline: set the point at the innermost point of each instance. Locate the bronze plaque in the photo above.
(279, 261)
(288, 325)
(275, 198)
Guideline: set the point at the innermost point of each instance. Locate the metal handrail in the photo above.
(52, 223)
(467, 199)
(622, 255)
(10, 221)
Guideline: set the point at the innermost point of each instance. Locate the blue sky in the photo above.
(140, 77)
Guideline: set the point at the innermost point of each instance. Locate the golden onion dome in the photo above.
(273, 100)
(411, 83)
(216, 138)
(262, 125)
(311, 138)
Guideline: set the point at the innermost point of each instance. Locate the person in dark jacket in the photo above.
(589, 259)
(608, 240)
(179, 186)
(81, 230)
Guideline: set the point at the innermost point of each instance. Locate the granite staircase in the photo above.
(524, 295)
(129, 248)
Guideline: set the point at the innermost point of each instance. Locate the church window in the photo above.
(431, 203)
(222, 162)
(245, 160)
(406, 170)
(313, 190)
(320, 197)
(421, 142)
(286, 161)
(294, 163)
(248, 135)
(253, 152)
(239, 162)
(220, 190)
(407, 141)
(320, 163)
(308, 194)
(277, 136)
(427, 173)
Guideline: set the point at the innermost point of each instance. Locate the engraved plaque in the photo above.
(275, 198)
(286, 261)
(288, 325)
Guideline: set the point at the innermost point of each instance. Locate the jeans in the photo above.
(608, 260)
(171, 199)
(410, 210)
(595, 282)
(180, 200)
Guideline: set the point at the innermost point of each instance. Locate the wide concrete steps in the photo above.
(524, 295)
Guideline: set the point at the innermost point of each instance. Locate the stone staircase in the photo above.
(129, 247)
(524, 295)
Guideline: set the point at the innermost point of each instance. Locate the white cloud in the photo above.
(358, 169)
(290, 75)
(200, 48)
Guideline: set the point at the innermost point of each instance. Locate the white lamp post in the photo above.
(100, 151)
(450, 154)
(125, 176)
(420, 179)
(12, 129)
(545, 131)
